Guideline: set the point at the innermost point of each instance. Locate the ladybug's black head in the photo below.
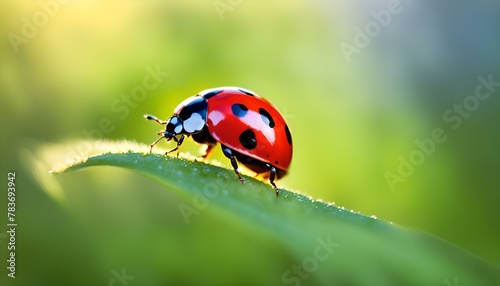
(174, 127)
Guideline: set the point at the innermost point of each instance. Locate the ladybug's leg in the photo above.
(229, 153)
(154, 118)
(154, 143)
(272, 176)
(179, 143)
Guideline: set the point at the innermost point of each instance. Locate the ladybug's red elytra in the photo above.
(249, 128)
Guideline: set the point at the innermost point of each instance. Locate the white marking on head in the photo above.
(178, 129)
(194, 123)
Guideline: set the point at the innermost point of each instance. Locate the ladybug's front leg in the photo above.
(229, 153)
(154, 143)
(179, 143)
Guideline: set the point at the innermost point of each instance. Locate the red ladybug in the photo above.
(248, 127)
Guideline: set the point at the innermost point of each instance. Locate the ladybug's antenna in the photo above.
(154, 118)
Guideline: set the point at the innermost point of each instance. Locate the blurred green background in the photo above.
(76, 70)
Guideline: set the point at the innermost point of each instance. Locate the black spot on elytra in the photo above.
(248, 140)
(239, 110)
(266, 117)
(247, 92)
(211, 93)
(276, 162)
(288, 135)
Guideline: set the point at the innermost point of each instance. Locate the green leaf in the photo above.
(322, 244)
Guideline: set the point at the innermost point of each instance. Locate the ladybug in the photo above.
(249, 129)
